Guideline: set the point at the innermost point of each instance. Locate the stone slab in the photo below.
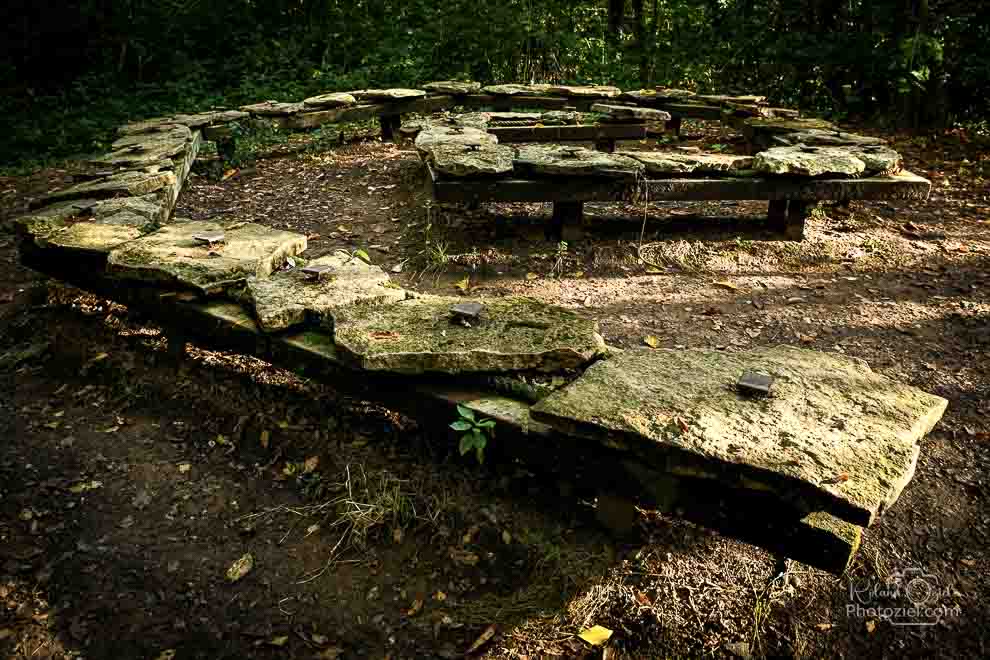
(585, 91)
(834, 436)
(272, 109)
(626, 112)
(456, 87)
(515, 90)
(289, 298)
(392, 94)
(434, 136)
(818, 137)
(458, 160)
(332, 100)
(662, 163)
(556, 160)
(171, 255)
(419, 335)
(811, 161)
(124, 183)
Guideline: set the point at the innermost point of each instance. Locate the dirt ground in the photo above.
(129, 483)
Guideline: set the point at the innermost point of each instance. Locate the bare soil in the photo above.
(130, 483)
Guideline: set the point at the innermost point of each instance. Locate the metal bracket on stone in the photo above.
(752, 382)
(210, 239)
(466, 313)
(317, 272)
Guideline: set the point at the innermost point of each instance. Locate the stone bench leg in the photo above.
(566, 222)
(605, 144)
(390, 125)
(788, 217)
(674, 125)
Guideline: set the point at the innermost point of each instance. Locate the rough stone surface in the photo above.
(212, 117)
(92, 236)
(625, 112)
(272, 109)
(148, 207)
(393, 94)
(833, 434)
(453, 87)
(477, 120)
(665, 162)
(561, 117)
(334, 100)
(156, 125)
(125, 183)
(418, 335)
(147, 149)
(458, 160)
(728, 99)
(817, 137)
(514, 116)
(516, 90)
(808, 161)
(585, 91)
(171, 256)
(657, 95)
(466, 136)
(170, 134)
(555, 160)
(288, 298)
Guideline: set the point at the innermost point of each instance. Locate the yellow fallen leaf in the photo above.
(440, 596)
(578, 274)
(279, 641)
(464, 284)
(871, 626)
(264, 438)
(596, 635)
(240, 568)
(651, 341)
(363, 256)
(416, 607)
(725, 284)
(825, 626)
(482, 639)
(532, 276)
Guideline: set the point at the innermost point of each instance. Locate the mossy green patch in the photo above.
(421, 335)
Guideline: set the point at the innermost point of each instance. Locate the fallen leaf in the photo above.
(86, 485)
(440, 596)
(506, 537)
(596, 635)
(871, 626)
(416, 607)
(825, 626)
(331, 653)
(532, 276)
(184, 467)
(264, 439)
(483, 639)
(651, 341)
(228, 174)
(643, 599)
(240, 568)
(279, 641)
(725, 284)
(681, 424)
(363, 256)
(464, 284)
(311, 464)
(578, 274)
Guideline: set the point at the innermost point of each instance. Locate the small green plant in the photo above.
(476, 432)
(560, 258)
(719, 147)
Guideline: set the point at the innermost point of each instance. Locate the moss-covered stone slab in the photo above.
(585, 91)
(290, 298)
(124, 183)
(663, 163)
(201, 119)
(832, 435)
(146, 149)
(172, 256)
(817, 137)
(515, 90)
(629, 112)
(434, 136)
(456, 87)
(148, 207)
(561, 118)
(391, 94)
(272, 109)
(174, 135)
(556, 160)
(93, 237)
(459, 161)
(420, 335)
(156, 125)
(333, 100)
(803, 160)
(746, 99)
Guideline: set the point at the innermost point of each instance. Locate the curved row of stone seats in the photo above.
(826, 454)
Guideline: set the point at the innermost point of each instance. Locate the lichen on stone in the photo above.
(421, 335)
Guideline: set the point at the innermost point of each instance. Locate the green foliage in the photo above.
(475, 432)
(74, 72)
